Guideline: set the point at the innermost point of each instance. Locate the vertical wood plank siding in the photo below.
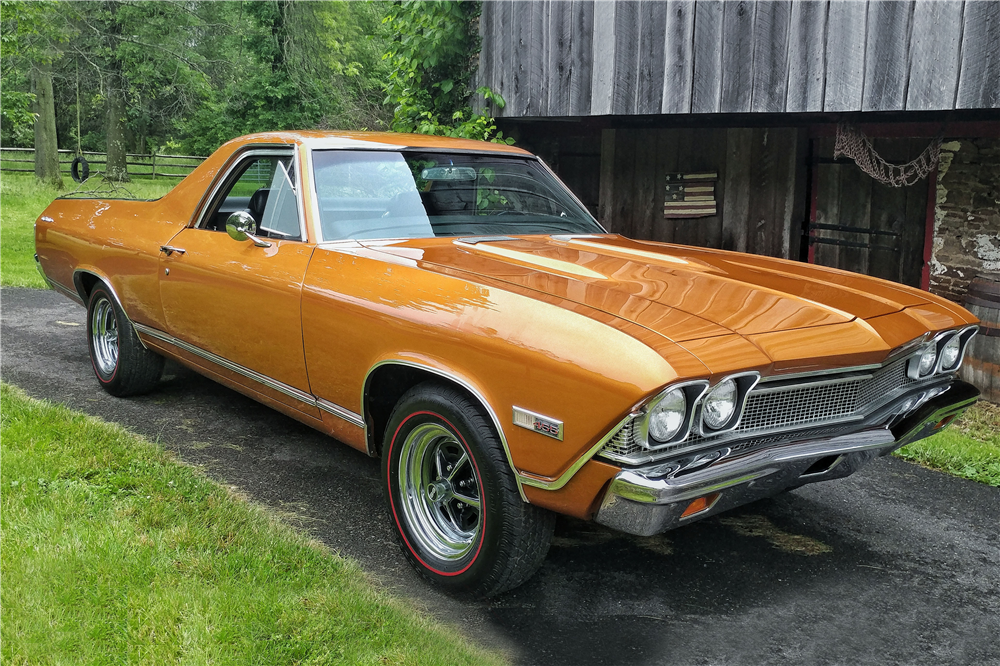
(737, 55)
(559, 41)
(979, 82)
(581, 58)
(626, 58)
(678, 52)
(886, 66)
(770, 57)
(553, 58)
(538, 75)
(806, 57)
(707, 51)
(651, 67)
(846, 44)
(934, 55)
(602, 81)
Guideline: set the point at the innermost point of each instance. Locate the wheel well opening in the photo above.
(85, 284)
(385, 386)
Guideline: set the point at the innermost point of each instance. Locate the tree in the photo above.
(140, 76)
(292, 65)
(434, 54)
(46, 144)
(31, 33)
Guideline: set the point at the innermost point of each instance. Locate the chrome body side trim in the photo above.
(338, 411)
(62, 289)
(274, 384)
(518, 476)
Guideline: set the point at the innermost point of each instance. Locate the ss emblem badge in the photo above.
(541, 424)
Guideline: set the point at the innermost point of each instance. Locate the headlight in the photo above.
(927, 360)
(720, 404)
(949, 353)
(667, 417)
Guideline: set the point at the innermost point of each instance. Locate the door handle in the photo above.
(170, 249)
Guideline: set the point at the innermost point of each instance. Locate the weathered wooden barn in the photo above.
(714, 123)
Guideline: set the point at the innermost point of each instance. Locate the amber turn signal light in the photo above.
(701, 504)
(945, 421)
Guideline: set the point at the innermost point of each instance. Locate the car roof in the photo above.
(321, 139)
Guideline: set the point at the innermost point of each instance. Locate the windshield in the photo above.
(417, 194)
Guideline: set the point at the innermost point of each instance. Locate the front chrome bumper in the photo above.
(653, 499)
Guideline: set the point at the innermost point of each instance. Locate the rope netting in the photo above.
(852, 142)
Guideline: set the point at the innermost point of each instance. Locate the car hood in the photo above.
(685, 294)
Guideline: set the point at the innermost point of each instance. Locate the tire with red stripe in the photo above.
(453, 499)
(122, 365)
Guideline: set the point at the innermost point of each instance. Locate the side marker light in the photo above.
(701, 504)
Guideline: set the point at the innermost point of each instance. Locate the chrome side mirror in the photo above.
(241, 226)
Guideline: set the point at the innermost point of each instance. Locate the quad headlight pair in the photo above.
(671, 415)
(943, 354)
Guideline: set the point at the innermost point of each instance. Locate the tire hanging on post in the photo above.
(80, 169)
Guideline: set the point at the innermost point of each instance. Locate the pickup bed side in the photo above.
(78, 241)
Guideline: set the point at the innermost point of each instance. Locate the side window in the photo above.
(264, 187)
(281, 215)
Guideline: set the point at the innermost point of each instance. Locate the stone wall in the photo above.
(967, 216)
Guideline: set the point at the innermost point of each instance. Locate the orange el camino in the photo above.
(449, 307)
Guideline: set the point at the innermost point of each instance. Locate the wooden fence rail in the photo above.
(167, 166)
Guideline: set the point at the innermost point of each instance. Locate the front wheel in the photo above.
(122, 365)
(453, 499)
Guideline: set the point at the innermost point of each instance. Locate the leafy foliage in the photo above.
(176, 76)
(303, 65)
(192, 75)
(434, 56)
(29, 33)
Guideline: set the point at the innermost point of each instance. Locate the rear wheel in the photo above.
(122, 365)
(453, 499)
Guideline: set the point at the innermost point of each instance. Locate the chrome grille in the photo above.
(823, 401)
(621, 443)
(807, 404)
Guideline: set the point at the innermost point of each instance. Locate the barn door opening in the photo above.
(861, 225)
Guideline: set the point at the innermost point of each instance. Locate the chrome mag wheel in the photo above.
(440, 492)
(104, 336)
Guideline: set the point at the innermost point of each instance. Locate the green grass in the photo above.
(969, 448)
(22, 200)
(114, 553)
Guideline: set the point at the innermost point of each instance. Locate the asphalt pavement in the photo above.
(894, 565)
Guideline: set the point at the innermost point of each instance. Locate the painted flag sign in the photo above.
(690, 195)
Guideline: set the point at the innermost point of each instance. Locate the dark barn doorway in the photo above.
(861, 225)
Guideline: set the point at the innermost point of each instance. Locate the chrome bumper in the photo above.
(651, 500)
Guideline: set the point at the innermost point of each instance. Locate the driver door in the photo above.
(236, 304)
